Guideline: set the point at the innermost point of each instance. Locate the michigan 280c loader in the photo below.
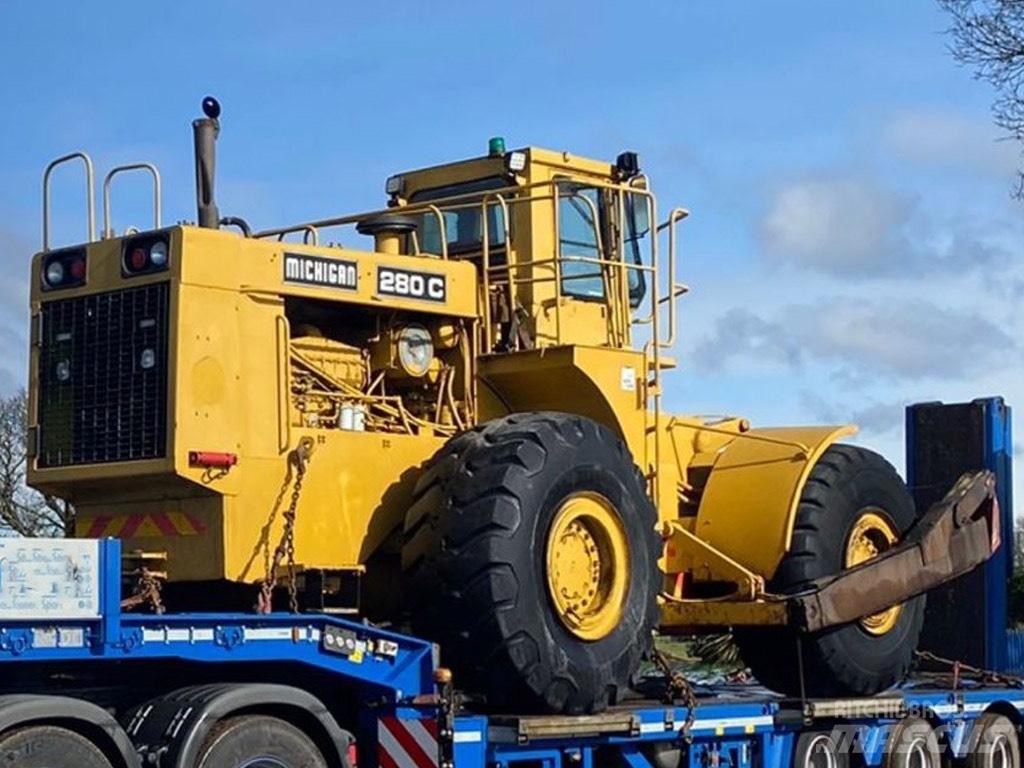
(460, 430)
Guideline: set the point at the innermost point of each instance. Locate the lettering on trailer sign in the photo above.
(42, 579)
(425, 286)
(316, 270)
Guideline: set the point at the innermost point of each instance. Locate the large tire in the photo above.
(257, 741)
(482, 576)
(48, 746)
(846, 486)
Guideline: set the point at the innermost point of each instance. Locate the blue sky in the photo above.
(853, 245)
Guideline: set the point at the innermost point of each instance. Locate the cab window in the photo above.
(579, 225)
(638, 243)
(463, 227)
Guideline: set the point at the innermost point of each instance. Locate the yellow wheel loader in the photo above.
(447, 414)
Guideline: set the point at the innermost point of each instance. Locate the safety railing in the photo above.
(108, 229)
(90, 195)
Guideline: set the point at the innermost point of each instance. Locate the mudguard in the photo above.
(749, 504)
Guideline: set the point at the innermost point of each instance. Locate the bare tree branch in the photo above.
(23, 511)
(989, 36)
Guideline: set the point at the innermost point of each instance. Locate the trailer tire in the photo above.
(912, 743)
(49, 746)
(259, 741)
(504, 519)
(846, 487)
(993, 743)
(819, 749)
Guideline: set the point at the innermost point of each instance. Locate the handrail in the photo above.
(108, 230)
(675, 216)
(310, 235)
(90, 194)
(340, 221)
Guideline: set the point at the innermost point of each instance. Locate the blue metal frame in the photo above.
(741, 734)
(395, 666)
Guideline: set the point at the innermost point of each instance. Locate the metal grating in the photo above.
(103, 377)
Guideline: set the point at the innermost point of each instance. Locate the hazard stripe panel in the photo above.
(151, 526)
(407, 743)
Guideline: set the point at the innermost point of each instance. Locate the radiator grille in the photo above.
(103, 377)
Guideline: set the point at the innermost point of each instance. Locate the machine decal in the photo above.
(406, 743)
(316, 270)
(144, 526)
(424, 286)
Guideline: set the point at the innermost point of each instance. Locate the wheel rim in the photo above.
(820, 753)
(588, 565)
(1000, 755)
(872, 534)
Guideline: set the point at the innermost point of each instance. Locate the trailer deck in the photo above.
(409, 721)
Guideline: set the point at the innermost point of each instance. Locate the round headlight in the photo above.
(158, 254)
(54, 273)
(415, 350)
(63, 370)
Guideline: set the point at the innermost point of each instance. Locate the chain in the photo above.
(677, 687)
(285, 550)
(147, 590)
(958, 669)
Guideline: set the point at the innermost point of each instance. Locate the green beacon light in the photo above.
(496, 146)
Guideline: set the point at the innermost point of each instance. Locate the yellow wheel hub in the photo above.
(588, 565)
(872, 535)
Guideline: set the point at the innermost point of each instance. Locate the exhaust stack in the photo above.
(205, 131)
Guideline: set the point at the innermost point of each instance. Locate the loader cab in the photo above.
(564, 245)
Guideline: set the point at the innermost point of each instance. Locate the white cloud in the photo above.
(861, 339)
(945, 140)
(858, 227)
(875, 418)
(842, 225)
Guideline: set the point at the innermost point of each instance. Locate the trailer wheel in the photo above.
(818, 749)
(912, 743)
(531, 557)
(48, 746)
(852, 508)
(993, 743)
(258, 741)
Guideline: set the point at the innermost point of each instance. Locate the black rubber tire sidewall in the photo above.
(234, 741)
(984, 730)
(48, 746)
(808, 740)
(483, 595)
(899, 746)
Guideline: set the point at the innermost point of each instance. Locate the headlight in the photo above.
(415, 350)
(63, 370)
(55, 273)
(158, 254)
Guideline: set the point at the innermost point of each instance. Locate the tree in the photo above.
(23, 511)
(989, 36)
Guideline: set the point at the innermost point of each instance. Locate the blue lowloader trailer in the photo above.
(84, 684)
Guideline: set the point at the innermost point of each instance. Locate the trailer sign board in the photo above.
(49, 579)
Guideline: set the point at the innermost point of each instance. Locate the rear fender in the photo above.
(749, 504)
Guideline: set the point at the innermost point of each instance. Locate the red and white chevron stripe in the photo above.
(407, 743)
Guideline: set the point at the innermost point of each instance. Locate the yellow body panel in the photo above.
(229, 363)
(750, 501)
